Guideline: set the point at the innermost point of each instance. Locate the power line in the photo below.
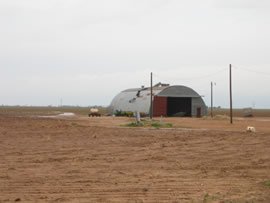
(253, 71)
(194, 78)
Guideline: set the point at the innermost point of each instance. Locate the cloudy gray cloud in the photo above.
(76, 49)
(250, 4)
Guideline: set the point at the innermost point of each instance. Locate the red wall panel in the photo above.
(160, 106)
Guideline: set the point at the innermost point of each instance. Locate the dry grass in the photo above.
(24, 110)
(216, 117)
(240, 112)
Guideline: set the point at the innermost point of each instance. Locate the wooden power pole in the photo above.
(211, 99)
(151, 97)
(231, 111)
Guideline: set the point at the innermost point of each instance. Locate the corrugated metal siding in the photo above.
(129, 101)
(160, 106)
(198, 103)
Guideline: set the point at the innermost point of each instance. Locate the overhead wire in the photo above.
(203, 85)
(192, 78)
(253, 71)
(209, 75)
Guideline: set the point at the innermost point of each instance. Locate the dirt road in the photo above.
(79, 159)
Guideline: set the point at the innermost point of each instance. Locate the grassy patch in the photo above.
(133, 124)
(207, 197)
(168, 125)
(74, 124)
(267, 183)
(156, 125)
(159, 125)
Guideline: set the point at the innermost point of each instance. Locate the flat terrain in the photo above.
(81, 159)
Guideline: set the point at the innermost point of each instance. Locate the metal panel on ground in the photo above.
(160, 106)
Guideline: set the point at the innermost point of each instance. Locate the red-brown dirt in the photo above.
(80, 159)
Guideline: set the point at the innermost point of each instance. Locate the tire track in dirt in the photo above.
(48, 160)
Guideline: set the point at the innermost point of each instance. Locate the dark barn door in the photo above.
(199, 114)
(179, 106)
(160, 106)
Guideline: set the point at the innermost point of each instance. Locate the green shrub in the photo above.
(133, 124)
(159, 125)
(156, 125)
(169, 125)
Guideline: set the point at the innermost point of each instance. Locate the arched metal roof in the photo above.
(178, 91)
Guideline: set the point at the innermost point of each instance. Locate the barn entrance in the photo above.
(179, 106)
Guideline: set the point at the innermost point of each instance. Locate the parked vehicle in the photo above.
(94, 112)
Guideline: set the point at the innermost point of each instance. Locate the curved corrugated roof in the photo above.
(136, 99)
(178, 91)
(144, 89)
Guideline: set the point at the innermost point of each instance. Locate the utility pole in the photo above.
(212, 96)
(151, 96)
(231, 112)
(211, 99)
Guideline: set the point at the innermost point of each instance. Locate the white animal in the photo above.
(251, 129)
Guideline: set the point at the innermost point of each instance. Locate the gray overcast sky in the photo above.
(87, 51)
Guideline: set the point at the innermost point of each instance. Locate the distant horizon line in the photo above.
(103, 106)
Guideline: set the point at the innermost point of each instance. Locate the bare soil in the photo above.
(81, 159)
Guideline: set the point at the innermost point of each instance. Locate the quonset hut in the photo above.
(171, 101)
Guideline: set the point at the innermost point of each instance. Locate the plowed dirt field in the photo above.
(81, 159)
